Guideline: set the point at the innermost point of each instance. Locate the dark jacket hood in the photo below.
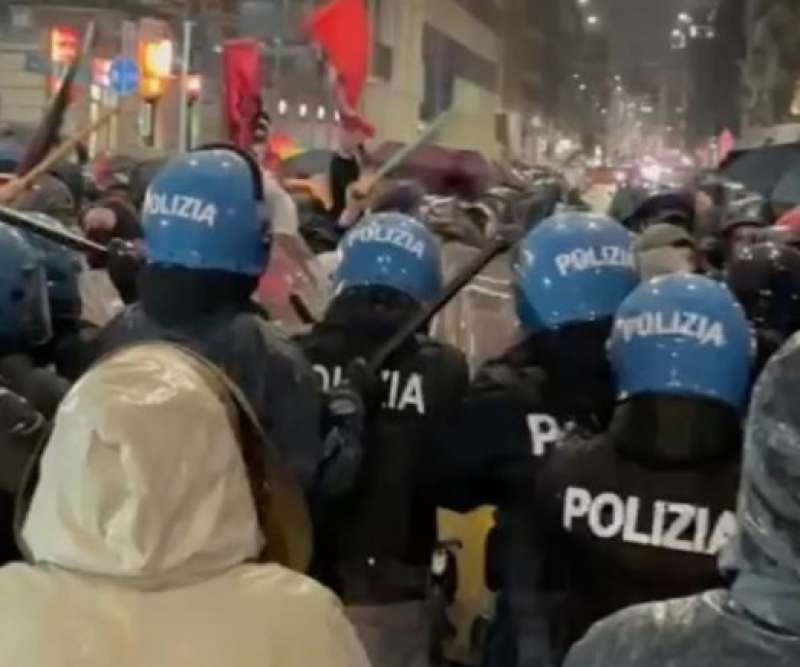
(573, 360)
(672, 431)
(172, 295)
(765, 557)
(370, 313)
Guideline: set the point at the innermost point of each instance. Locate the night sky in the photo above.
(639, 29)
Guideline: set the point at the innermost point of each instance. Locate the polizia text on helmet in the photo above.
(179, 206)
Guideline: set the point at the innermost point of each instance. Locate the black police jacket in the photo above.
(409, 465)
(21, 430)
(519, 409)
(637, 514)
(520, 405)
(194, 310)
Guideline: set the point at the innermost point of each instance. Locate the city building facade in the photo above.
(38, 38)
(502, 66)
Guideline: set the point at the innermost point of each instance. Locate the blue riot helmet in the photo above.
(62, 267)
(24, 306)
(391, 250)
(573, 267)
(682, 335)
(205, 210)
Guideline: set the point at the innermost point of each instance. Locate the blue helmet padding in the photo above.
(391, 250)
(62, 267)
(202, 212)
(24, 307)
(573, 267)
(682, 335)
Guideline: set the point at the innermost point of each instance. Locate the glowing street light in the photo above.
(583, 3)
(582, 86)
(592, 19)
(684, 17)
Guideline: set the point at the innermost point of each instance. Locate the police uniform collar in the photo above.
(673, 431)
(176, 295)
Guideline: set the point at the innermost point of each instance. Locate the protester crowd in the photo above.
(185, 482)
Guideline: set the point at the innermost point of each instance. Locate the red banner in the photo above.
(241, 64)
(341, 29)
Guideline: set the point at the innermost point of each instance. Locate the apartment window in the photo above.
(486, 11)
(382, 53)
(382, 61)
(437, 55)
(445, 59)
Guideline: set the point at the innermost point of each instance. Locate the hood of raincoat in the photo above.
(765, 556)
(144, 476)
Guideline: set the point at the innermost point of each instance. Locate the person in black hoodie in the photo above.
(374, 544)
(640, 512)
(570, 274)
(207, 243)
(766, 279)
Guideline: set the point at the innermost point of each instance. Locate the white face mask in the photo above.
(664, 261)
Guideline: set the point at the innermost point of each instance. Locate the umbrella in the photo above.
(761, 169)
(441, 170)
(284, 146)
(787, 192)
(315, 161)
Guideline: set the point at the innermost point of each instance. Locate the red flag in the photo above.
(241, 65)
(341, 28)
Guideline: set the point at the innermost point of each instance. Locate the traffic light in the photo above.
(158, 59)
(194, 86)
(64, 42)
(155, 63)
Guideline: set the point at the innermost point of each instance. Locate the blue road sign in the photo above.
(123, 76)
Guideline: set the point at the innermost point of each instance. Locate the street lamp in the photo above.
(583, 3)
(684, 17)
(582, 86)
(592, 19)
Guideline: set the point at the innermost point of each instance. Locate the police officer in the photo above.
(642, 511)
(743, 224)
(754, 621)
(24, 324)
(207, 243)
(766, 280)
(675, 207)
(570, 273)
(71, 334)
(375, 543)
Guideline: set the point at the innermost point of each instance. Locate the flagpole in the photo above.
(183, 118)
